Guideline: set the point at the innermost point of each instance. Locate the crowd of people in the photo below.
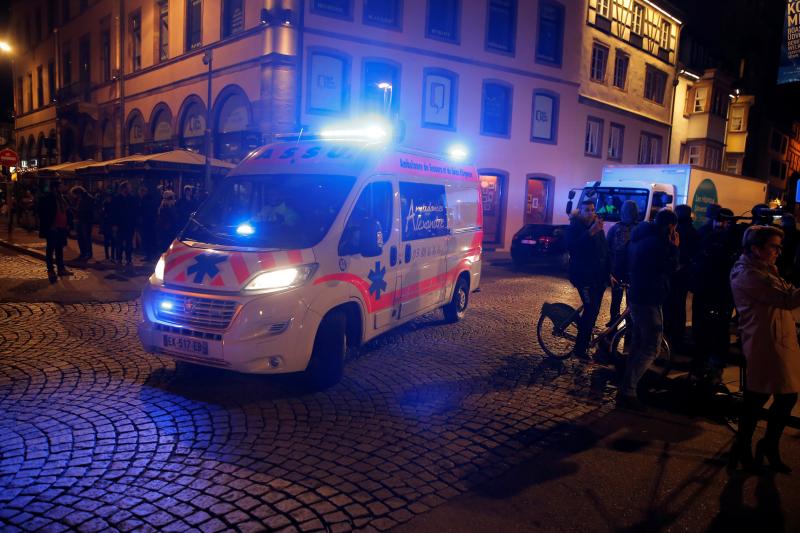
(147, 219)
(735, 271)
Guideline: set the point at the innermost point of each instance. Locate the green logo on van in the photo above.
(704, 195)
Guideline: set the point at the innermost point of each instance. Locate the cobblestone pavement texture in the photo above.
(96, 435)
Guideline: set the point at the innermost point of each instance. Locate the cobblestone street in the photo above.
(96, 434)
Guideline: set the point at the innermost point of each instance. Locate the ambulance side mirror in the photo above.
(370, 238)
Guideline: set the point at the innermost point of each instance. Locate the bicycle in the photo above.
(557, 333)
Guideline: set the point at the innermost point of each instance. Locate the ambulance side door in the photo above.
(423, 250)
(373, 213)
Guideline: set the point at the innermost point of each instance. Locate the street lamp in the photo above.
(387, 96)
(208, 59)
(5, 47)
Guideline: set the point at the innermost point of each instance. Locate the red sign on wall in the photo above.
(8, 158)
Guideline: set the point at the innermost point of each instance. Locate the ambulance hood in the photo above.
(202, 267)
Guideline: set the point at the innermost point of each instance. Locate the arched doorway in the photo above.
(68, 145)
(161, 130)
(135, 133)
(33, 156)
(88, 146)
(193, 125)
(233, 135)
(109, 149)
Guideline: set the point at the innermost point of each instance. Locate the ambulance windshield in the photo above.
(281, 211)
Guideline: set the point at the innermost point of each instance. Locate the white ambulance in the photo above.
(312, 247)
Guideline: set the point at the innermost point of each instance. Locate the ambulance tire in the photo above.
(326, 366)
(457, 308)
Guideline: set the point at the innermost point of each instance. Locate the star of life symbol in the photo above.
(205, 265)
(378, 283)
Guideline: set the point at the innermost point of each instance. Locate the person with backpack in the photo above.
(653, 257)
(619, 237)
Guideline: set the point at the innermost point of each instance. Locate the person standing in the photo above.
(769, 341)
(589, 268)
(124, 220)
(653, 259)
(712, 303)
(167, 220)
(785, 263)
(107, 225)
(186, 205)
(146, 215)
(675, 306)
(84, 215)
(53, 228)
(619, 237)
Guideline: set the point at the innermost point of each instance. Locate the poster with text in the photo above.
(789, 69)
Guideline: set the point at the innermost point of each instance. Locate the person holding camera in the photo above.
(769, 341)
(589, 268)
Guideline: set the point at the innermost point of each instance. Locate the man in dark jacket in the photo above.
(53, 209)
(653, 259)
(146, 217)
(675, 306)
(84, 218)
(619, 237)
(712, 304)
(123, 210)
(589, 268)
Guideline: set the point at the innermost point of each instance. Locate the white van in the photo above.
(309, 248)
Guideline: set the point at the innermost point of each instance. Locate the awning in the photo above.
(61, 170)
(180, 160)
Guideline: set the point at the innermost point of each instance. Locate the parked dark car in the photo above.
(543, 244)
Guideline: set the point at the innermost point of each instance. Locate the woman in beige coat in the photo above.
(769, 342)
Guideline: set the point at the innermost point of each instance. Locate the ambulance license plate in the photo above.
(184, 345)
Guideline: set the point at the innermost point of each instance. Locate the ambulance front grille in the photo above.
(193, 311)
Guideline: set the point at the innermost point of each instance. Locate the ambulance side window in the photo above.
(375, 203)
(423, 210)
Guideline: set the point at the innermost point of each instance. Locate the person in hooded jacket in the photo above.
(653, 260)
(769, 341)
(619, 237)
(675, 306)
(589, 268)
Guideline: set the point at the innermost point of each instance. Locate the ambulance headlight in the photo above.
(284, 278)
(158, 273)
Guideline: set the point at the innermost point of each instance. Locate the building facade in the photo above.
(543, 93)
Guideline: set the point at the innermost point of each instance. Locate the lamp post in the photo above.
(387, 97)
(208, 59)
(5, 48)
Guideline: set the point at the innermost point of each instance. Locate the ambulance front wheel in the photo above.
(457, 308)
(326, 366)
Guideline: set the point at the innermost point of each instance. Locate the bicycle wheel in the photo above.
(557, 330)
(663, 362)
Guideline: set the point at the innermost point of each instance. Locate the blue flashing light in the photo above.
(458, 152)
(166, 305)
(245, 230)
